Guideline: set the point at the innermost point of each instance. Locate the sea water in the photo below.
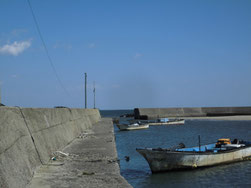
(137, 172)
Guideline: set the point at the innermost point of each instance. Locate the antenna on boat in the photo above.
(199, 142)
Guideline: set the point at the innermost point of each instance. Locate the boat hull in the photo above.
(124, 127)
(160, 161)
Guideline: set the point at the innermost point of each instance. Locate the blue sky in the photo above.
(140, 53)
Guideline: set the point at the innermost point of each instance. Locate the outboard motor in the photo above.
(181, 145)
(235, 141)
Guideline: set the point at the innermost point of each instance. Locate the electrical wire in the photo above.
(46, 49)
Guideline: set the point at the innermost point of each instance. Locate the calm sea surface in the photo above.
(137, 171)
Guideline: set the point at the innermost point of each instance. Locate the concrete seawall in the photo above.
(29, 136)
(90, 160)
(153, 113)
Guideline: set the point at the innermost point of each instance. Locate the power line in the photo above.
(46, 49)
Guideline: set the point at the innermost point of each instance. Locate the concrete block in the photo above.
(193, 112)
(29, 136)
(52, 129)
(18, 156)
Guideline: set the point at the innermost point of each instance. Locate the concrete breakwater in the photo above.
(28, 137)
(90, 160)
(153, 113)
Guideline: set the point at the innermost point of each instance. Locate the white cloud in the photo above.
(15, 48)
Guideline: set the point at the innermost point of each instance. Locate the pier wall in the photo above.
(153, 113)
(29, 136)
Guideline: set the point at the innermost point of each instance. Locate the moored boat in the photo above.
(133, 126)
(166, 121)
(223, 151)
(162, 121)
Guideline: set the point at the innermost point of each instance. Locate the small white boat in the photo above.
(222, 152)
(166, 121)
(163, 121)
(133, 126)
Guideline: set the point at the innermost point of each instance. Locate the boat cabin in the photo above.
(162, 120)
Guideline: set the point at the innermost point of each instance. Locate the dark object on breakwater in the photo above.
(2, 104)
(222, 152)
(127, 158)
(154, 113)
(60, 107)
(115, 120)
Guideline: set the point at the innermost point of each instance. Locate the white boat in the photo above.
(218, 153)
(163, 121)
(133, 126)
(166, 121)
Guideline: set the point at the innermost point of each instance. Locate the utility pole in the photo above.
(85, 90)
(94, 93)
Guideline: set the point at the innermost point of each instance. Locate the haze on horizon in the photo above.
(140, 53)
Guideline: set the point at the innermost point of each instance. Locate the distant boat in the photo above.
(166, 121)
(222, 152)
(133, 126)
(163, 121)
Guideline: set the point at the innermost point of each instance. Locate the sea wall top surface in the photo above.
(91, 161)
(28, 136)
(153, 113)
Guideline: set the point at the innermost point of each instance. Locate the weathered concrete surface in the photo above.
(153, 113)
(18, 156)
(92, 162)
(29, 136)
(53, 129)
